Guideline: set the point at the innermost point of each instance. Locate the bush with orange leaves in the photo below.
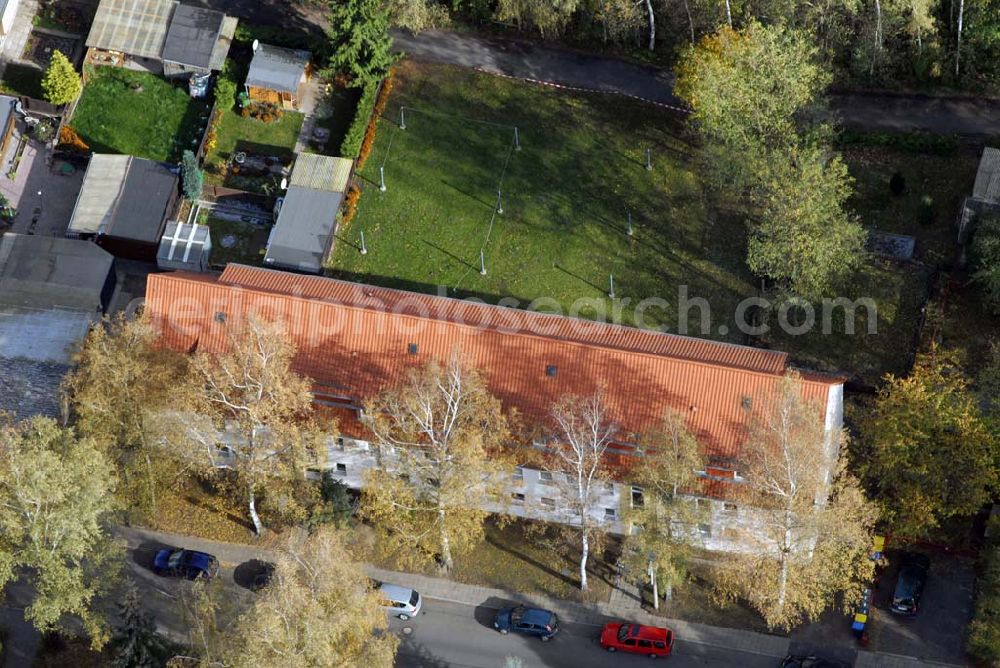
(350, 204)
(380, 102)
(71, 141)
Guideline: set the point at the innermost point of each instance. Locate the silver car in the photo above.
(401, 602)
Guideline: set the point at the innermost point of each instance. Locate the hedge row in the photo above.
(355, 136)
(912, 142)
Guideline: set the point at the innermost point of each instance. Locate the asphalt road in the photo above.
(444, 635)
(459, 636)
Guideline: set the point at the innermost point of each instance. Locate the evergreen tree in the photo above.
(360, 41)
(191, 176)
(136, 644)
(61, 83)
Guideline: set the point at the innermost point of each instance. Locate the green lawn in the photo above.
(22, 80)
(157, 122)
(236, 133)
(566, 198)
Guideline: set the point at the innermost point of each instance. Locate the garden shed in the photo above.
(124, 204)
(160, 36)
(51, 291)
(184, 246)
(277, 75)
(303, 234)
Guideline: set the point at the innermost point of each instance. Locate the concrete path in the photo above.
(560, 67)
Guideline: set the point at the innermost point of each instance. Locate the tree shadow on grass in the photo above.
(531, 561)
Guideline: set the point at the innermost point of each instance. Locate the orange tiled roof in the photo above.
(354, 340)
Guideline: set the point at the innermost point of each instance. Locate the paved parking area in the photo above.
(44, 198)
(936, 634)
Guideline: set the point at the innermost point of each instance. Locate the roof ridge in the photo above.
(769, 361)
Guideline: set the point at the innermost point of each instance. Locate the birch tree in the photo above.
(121, 384)
(666, 523)
(958, 42)
(580, 438)
(811, 539)
(55, 504)
(440, 438)
(252, 392)
(318, 609)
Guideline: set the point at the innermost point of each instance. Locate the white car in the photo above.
(401, 602)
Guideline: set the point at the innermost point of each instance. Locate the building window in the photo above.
(729, 506)
(638, 501)
(519, 473)
(341, 469)
(702, 503)
(546, 477)
(705, 530)
(610, 513)
(340, 442)
(548, 503)
(551, 371)
(517, 497)
(413, 348)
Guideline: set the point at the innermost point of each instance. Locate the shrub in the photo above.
(61, 83)
(912, 142)
(350, 205)
(984, 253)
(70, 140)
(226, 87)
(369, 140)
(355, 135)
(926, 211)
(265, 112)
(336, 505)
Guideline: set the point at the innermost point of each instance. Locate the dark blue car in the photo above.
(530, 621)
(910, 583)
(189, 564)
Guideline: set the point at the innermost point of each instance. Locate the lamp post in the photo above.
(381, 178)
(611, 280)
(364, 249)
(482, 264)
(499, 202)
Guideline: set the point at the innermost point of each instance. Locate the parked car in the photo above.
(910, 583)
(792, 661)
(652, 641)
(189, 564)
(401, 602)
(530, 621)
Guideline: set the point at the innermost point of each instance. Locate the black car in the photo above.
(910, 583)
(793, 661)
(530, 621)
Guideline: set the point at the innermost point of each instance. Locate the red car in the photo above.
(650, 640)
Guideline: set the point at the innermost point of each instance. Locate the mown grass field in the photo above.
(157, 120)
